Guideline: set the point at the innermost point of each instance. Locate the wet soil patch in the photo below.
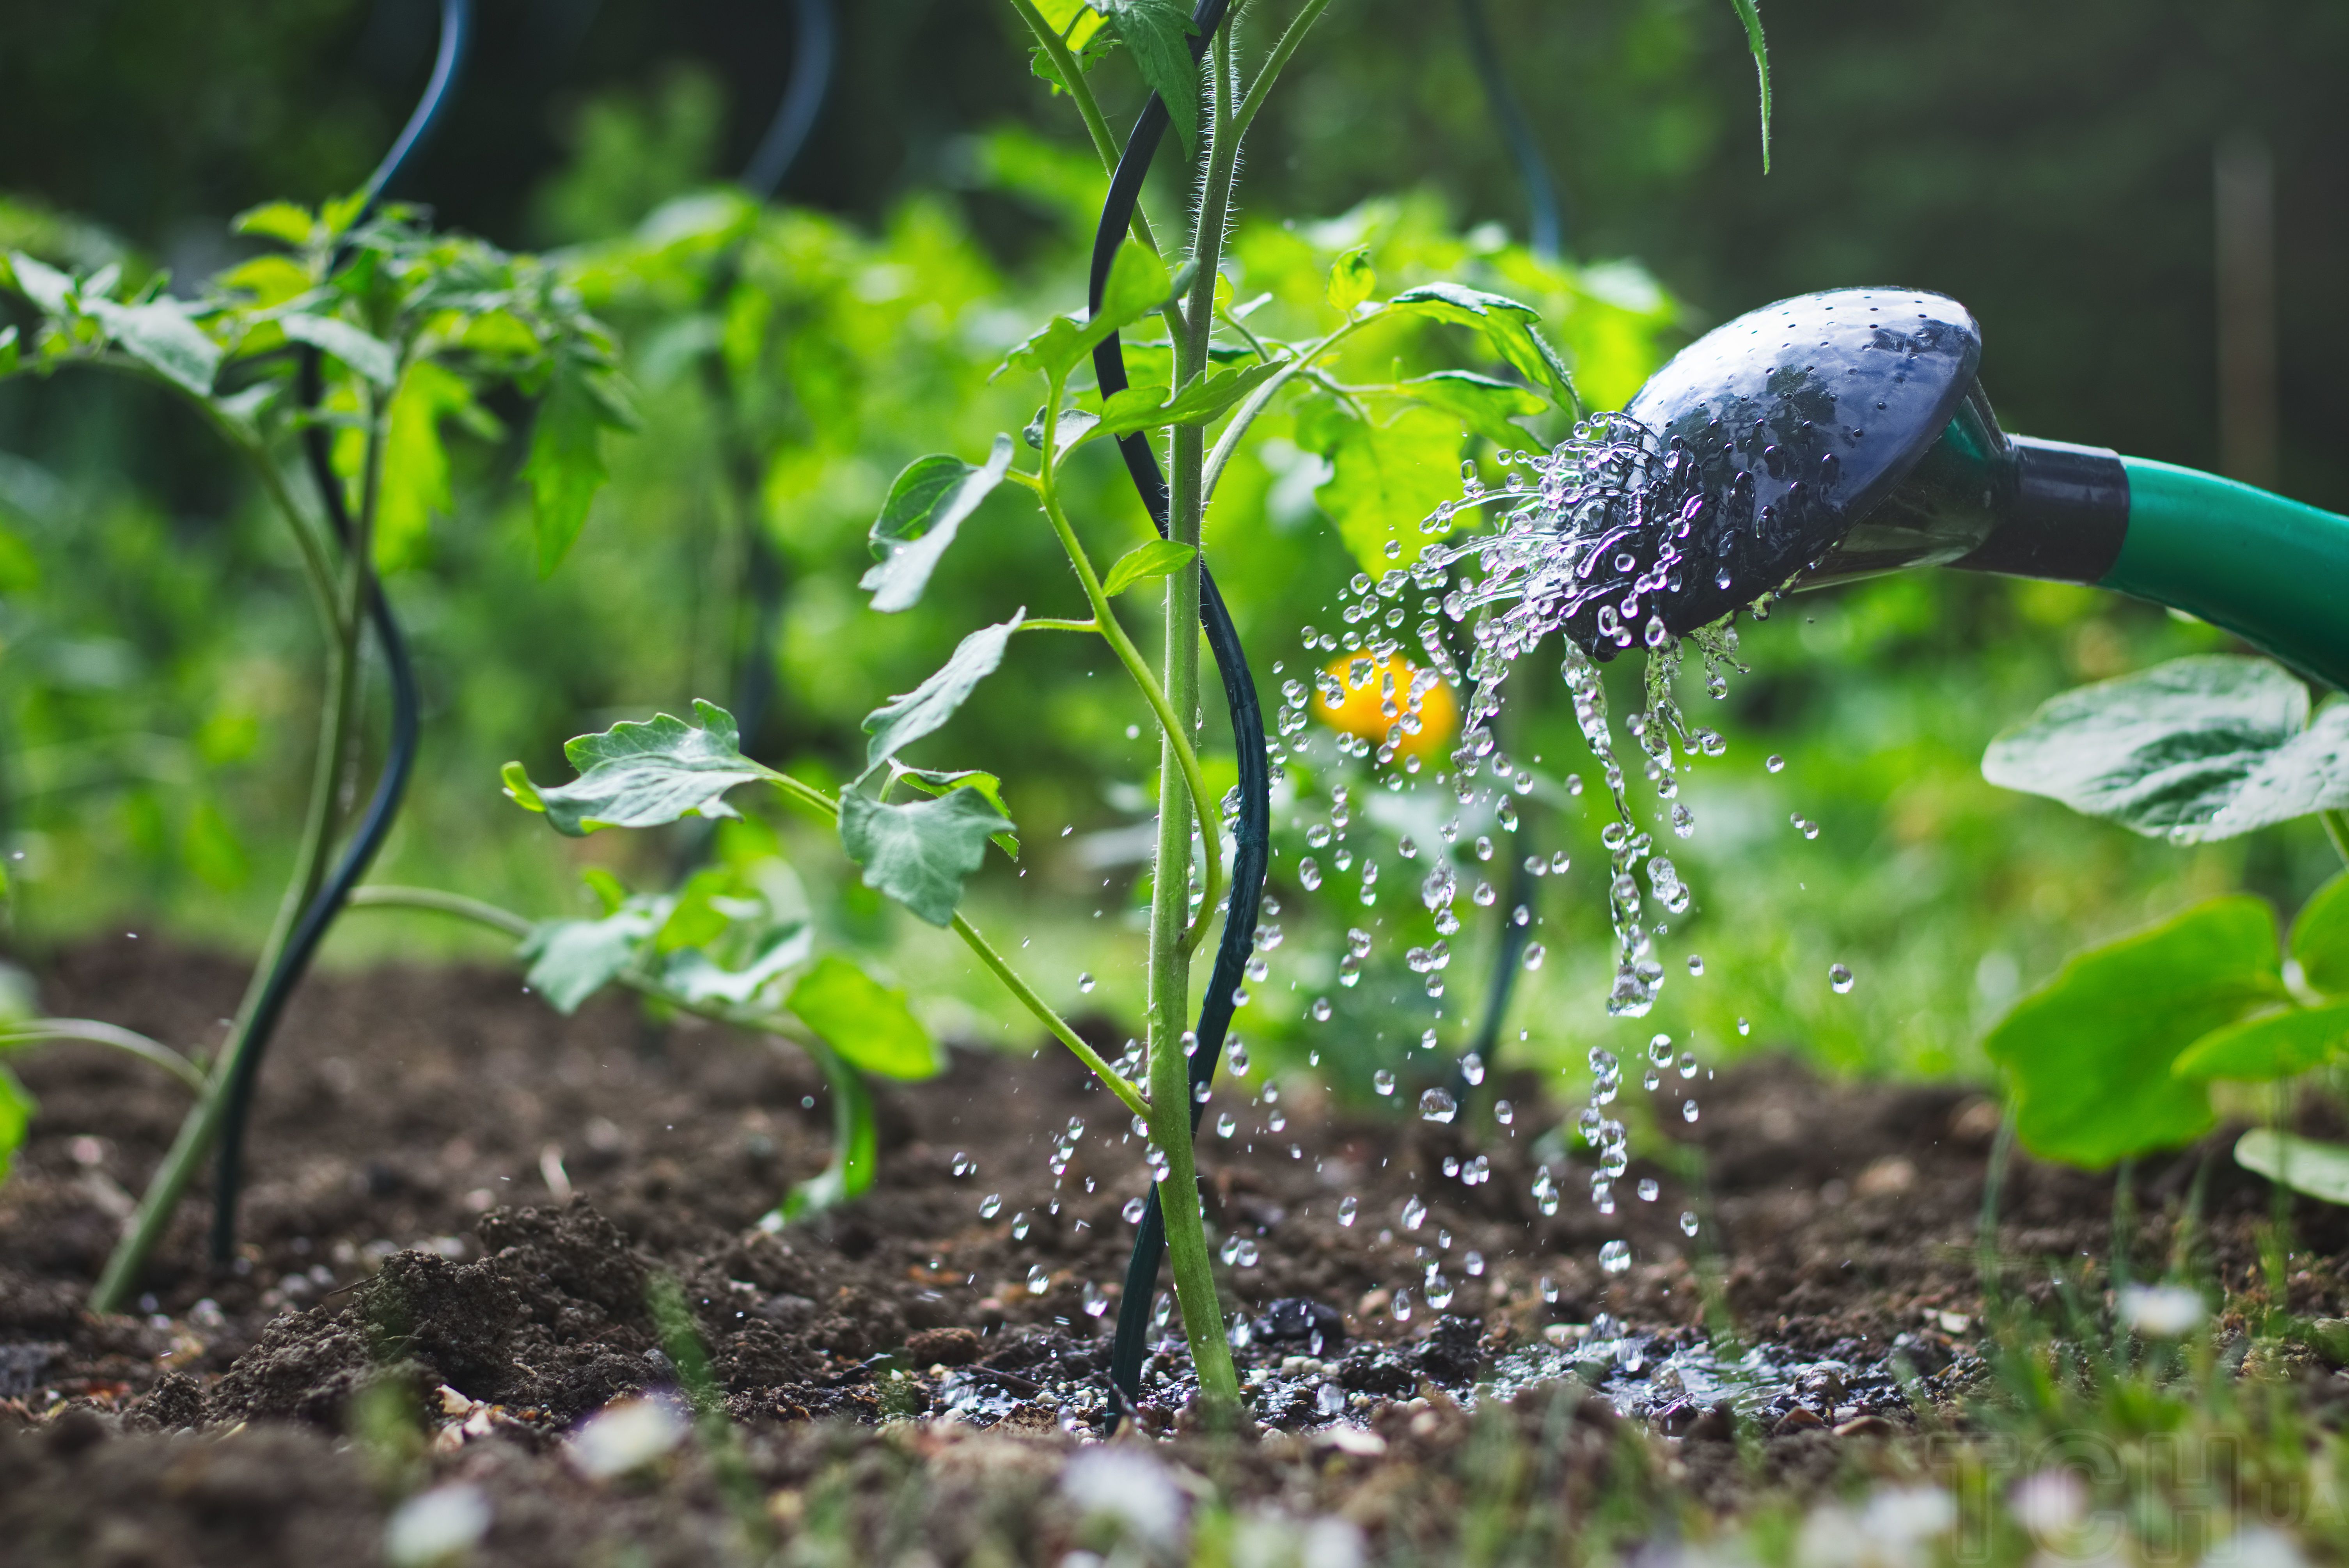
(458, 1200)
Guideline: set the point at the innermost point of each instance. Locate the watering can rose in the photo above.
(1379, 703)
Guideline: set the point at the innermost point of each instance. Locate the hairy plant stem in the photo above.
(1170, 1087)
(342, 622)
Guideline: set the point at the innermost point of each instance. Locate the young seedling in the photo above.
(358, 339)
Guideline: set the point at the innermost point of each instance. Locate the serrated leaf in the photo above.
(903, 720)
(2196, 750)
(1507, 325)
(363, 352)
(1159, 34)
(1137, 284)
(1384, 481)
(1352, 280)
(415, 485)
(1158, 558)
(932, 781)
(569, 961)
(1485, 403)
(276, 220)
(920, 853)
(867, 1023)
(1072, 426)
(926, 508)
(2089, 1054)
(640, 775)
(16, 1108)
(1749, 13)
(2319, 937)
(159, 336)
(2263, 1049)
(46, 287)
(696, 976)
(1205, 399)
(2303, 1164)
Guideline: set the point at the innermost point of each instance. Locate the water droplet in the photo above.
(1439, 1289)
(1320, 1010)
(1659, 1050)
(1039, 1282)
(1133, 1210)
(1309, 873)
(1347, 1207)
(1401, 1307)
(1696, 964)
(1020, 1224)
(1839, 979)
(1095, 1302)
(1615, 1256)
(1648, 1190)
(1775, 763)
(991, 1205)
(1503, 1113)
(1227, 1124)
(1414, 1212)
(1383, 1081)
(1688, 1064)
(963, 1164)
(1084, 982)
(1744, 1027)
(1437, 1105)
(1534, 956)
(1550, 1290)
(1688, 1110)
(1688, 1221)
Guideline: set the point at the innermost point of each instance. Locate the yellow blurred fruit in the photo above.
(1374, 708)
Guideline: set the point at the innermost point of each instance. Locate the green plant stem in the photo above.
(1255, 402)
(1116, 1082)
(1107, 622)
(337, 721)
(1170, 1088)
(1040, 624)
(1080, 93)
(155, 1052)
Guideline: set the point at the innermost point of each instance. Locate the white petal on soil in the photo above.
(1130, 1488)
(435, 1527)
(2163, 1311)
(625, 1436)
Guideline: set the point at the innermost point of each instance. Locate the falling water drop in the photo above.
(1084, 982)
(1688, 1221)
(991, 1205)
(1615, 1256)
(1696, 964)
(1020, 1224)
(1383, 1081)
(1839, 979)
(1320, 1010)
(1437, 1105)
(1775, 763)
(1534, 955)
(1648, 1190)
(1227, 1124)
(1414, 1212)
(1132, 1211)
(1347, 1206)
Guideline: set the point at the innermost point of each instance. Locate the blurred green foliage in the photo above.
(153, 720)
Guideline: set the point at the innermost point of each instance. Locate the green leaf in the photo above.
(1749, 13)
(1507, 326)
(2263, 1049)
(2303, 1164)
(8, 351)
(863, 1020)
(1385, 480)
(569, 961)
(903, 720)
(696, 976)
(51, 290)
(276, 220)
(565, 467)
(920, 854)
(2089, 1053)
(1485, 404)
(416, 463)
(926, 508)
(1159, 34)
(1352, 280)
(1203, 400)
(1137, 284)
(1159, 558)
(363, 352)
(637, 775)
(16, 1108)
(159, 336)
(2196, 750)
(694, 919)
(932, 781)
(2319, 937)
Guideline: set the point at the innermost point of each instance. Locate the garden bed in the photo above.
(459, 1196)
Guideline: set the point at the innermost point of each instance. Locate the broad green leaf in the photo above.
(16, 1108)
(565, 467)
(1202, 401)
(270, 280)
(2274, 1045)
(363, 352)
(2303, 1164)
(1484, 404)
(159, 336)
(926, 508)
(1159, 558)
(696, 976)
(569, 961)
(1507, 326)
(1749, 13)
(637, 775)
(903, 720)
(1137, 284)
(276, 220)
(1384, 482)
(1073, 425)
(2319, 937)
(920, 853)
(856, 1155)
(863, 1020)
(2196, 750)
(932, 781)
(1352, 280)
(416, 463)
(1158, 33)
(694, 918)
(2089, 1054)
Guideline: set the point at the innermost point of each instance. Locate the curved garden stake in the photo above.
(1254, 830)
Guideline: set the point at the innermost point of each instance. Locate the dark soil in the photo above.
(458, 1200)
